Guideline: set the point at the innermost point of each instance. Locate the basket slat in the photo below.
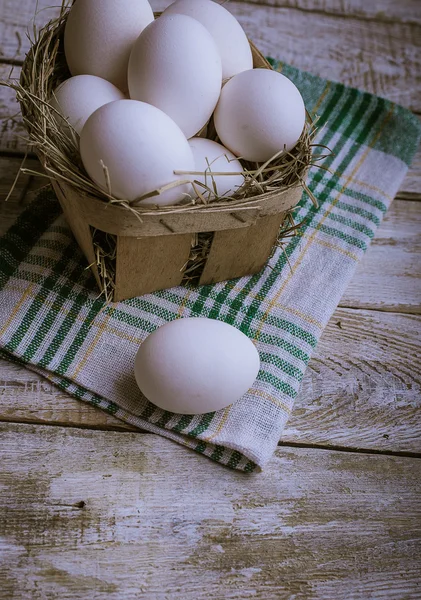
(149, 264)
(237, 252)
(69, 202)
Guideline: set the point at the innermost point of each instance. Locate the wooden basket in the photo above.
(151, 254)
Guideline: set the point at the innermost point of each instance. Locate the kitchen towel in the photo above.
(53, 321)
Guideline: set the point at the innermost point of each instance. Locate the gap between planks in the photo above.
(127, 429)
(349, 449)
(416, 310)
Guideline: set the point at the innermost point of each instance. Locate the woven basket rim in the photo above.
(28, 73)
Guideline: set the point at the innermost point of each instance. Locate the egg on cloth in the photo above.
(196, 365)
(175, 65)
(260, 112)
(141, 147)
(99, 35)
(80, 96)
(227, 32)
(210, 157)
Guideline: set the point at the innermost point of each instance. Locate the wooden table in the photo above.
(91, 509)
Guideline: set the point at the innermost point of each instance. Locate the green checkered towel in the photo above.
(53, 321)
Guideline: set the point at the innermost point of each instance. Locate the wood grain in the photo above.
(16, 25)
(23, 193)
(12, 132)
(95, 514)
(411, 185)
(408, 11)
(365, 54)
(389, 276)
(125, 515)
(362, 389)
(26, 397)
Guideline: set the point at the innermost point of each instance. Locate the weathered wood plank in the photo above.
(18, 19)
(389, 276)
(23, 193)
(12, 132)
(411, 185)
(122, 514)
(365, 54)
(362, 389)
(26, 397)
(408, 11)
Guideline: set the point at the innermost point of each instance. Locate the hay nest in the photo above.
(45, 68)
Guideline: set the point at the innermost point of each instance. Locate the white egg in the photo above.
(227, 32)
(99, 36)
(80, 96)
(140, 146)
(196, 365)
(210, 157)
(259, 113)
(175, 65)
